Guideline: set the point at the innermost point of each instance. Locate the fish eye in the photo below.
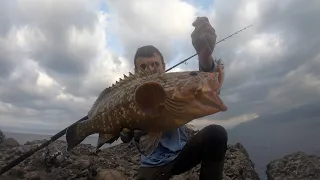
(193, 73)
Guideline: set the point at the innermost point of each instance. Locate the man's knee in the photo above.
(215, 139)
(215, 134)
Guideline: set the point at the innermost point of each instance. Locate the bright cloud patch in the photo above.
(227, 123)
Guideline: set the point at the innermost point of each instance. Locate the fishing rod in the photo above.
(63, 132)
(34, 150)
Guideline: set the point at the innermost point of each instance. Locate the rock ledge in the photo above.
(118, 161)
(298, 165)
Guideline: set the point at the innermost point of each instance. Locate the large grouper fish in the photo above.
(154, 103)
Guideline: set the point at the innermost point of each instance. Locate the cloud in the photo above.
(55, 58)
(161, 23)
(227, 123)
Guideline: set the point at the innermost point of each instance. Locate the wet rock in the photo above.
(295, 166)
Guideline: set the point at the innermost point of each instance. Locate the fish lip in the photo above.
(211, 99)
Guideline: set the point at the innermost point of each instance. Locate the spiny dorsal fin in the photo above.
(137, 74)
(130, 75)
(144, 72)
(121, 81)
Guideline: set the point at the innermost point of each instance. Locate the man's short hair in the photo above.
(147, 52)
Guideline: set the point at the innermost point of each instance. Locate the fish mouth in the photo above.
(211, 100)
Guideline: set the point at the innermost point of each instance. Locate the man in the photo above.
(181, 149)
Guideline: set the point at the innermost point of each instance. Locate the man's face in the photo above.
(154, 63)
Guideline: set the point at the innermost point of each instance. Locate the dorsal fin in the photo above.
(110, 88)
(130, 75)
(137, 74)
(121, 81)
(144, 72)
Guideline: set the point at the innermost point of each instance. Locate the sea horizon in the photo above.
(23, 137)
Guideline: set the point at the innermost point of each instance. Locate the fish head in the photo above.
(197, 95)
(182, 97)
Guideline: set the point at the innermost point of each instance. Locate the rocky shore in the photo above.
(122, 161)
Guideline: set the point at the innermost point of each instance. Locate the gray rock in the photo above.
(81, 163)
(2, 136)
(124, 158)
(296, 166)
(10, 142)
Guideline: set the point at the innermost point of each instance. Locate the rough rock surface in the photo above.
(295, 166)
(80, 163)
(10, 142)
(2, 136)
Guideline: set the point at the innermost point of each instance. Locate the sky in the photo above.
(57, 56)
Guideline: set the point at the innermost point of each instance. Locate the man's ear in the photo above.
(164, 66)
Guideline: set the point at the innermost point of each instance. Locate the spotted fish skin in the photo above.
(151, 102)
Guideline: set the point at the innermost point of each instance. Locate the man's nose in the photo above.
(151, 67)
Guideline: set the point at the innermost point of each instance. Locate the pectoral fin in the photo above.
(150, 96)
(106, 138)
(149, 142)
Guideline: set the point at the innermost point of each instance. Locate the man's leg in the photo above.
(207, 147)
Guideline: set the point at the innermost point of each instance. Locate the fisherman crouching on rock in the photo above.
(183, 148)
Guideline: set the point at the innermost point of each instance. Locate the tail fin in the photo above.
(75, 134)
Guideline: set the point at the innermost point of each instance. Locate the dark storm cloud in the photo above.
(6, 66)
(253, 80)
(65, 62)
(295, 23)
(23, 92)
(9, 56)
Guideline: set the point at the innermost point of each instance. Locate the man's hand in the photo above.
(137, 134)
(203, 39)
(126, 135)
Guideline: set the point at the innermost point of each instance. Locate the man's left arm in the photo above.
(212, 67)
(204, 40)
